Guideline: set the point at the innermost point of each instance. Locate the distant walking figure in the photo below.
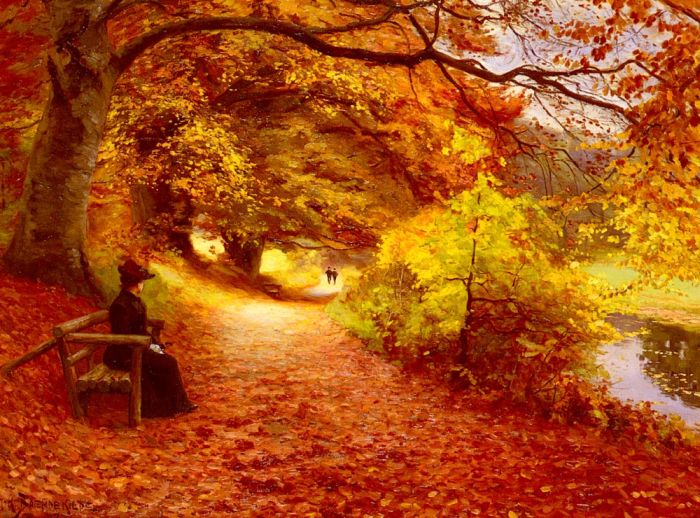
(334, 274)
(329, 274)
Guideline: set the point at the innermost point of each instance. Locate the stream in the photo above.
(661, 366)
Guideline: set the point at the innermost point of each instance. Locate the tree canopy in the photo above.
(539, 77)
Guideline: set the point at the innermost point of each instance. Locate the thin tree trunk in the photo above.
(465, 332)
(164, 214)
(143, 208)
(246, 255)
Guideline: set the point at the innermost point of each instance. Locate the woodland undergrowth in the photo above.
(481, 291)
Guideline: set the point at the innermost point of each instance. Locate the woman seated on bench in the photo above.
(163, 393)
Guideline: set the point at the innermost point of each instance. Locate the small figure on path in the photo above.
(334, 274)
(329, 274)
(163, 392)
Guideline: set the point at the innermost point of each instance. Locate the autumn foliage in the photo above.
(302, 420)
(486, 149)
(469, 289)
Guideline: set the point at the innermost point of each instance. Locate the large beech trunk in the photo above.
(49, 241)
(246, 255)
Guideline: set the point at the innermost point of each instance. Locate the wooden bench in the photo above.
(274, 290)
(91, 377)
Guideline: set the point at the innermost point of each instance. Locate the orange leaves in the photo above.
(296, 418)
(118, 482)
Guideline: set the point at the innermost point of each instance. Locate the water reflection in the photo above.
(671, 356)
(661, 365)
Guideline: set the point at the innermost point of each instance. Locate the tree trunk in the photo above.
(143, 207)
(163, 213)
(246, 255)
(5, 170)
(49, 241)
(463, 346)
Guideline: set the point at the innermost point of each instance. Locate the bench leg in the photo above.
(134, 409)
(135, 395)
(84, 399)
(69, 376)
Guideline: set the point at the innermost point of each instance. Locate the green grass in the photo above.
(362, 328)
(679, 303)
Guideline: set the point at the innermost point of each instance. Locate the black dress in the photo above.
(163, 393)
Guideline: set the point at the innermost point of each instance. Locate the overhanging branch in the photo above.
(309, 36)
(304, 35)
(687, 11)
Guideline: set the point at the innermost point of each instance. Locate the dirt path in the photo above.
(298, 419)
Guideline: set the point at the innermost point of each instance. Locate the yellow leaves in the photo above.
(470, 144)
(350, 81)
(419, 292)
(546, 489)
(118, 482)
(183, 184)
(512, 514)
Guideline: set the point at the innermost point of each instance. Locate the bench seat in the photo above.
(103, 379)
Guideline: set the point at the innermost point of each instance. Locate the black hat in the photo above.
(129, 271)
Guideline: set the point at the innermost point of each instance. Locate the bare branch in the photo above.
(477, 19)
(371, 22)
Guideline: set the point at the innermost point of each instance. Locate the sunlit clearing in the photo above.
(294, 269)
(274, 261)
(210, 247)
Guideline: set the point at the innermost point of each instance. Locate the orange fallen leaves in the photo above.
(308, 424)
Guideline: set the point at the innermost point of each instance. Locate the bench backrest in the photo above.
(69, 333)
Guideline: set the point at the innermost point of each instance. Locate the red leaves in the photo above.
(263, 486)
(237, 422)
(310, 424)
(234, 464)
(204, 432)
(244, 445)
